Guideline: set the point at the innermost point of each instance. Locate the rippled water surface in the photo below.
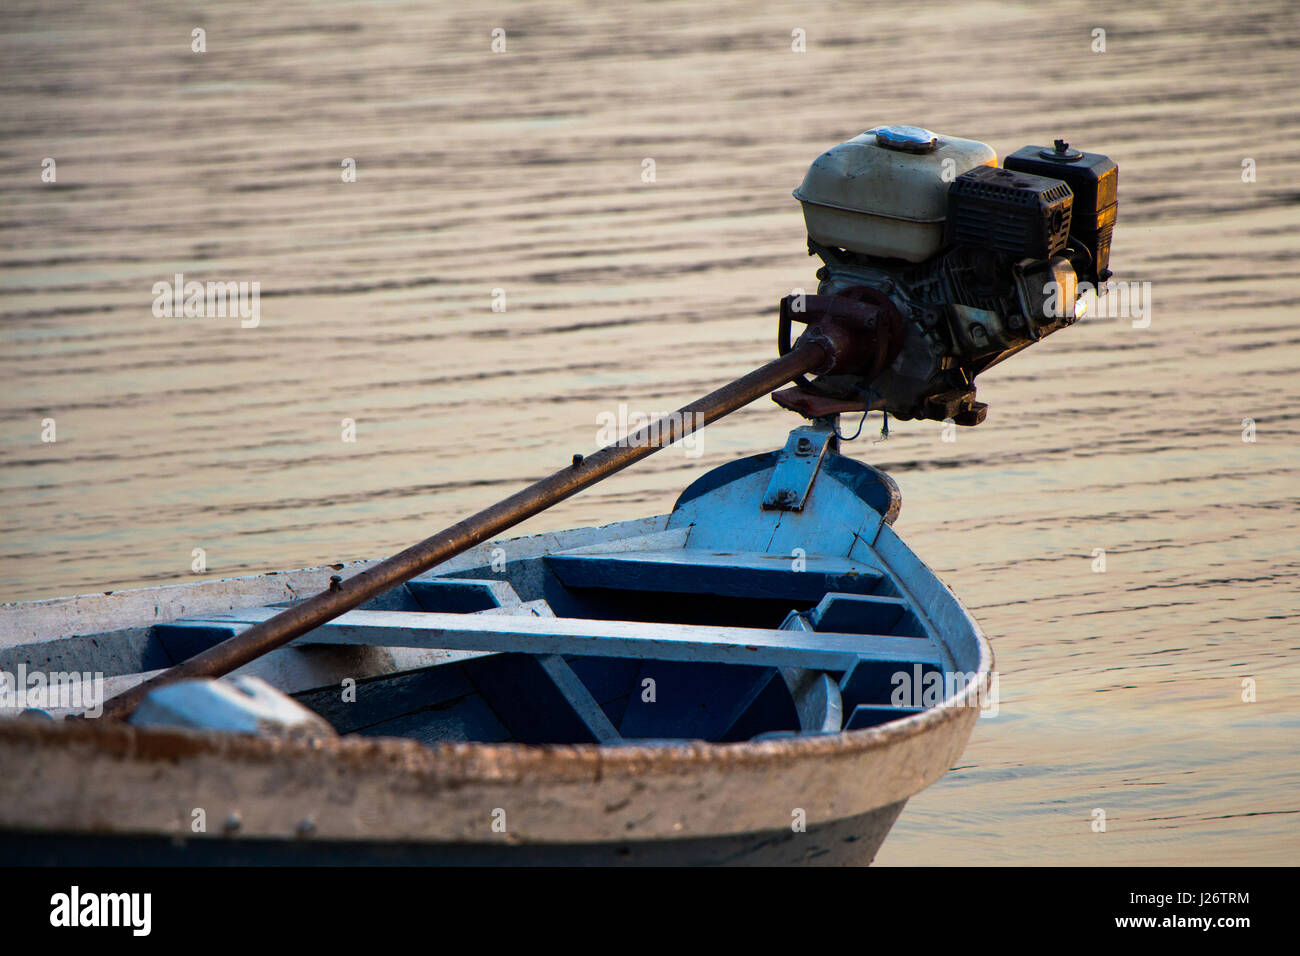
(522, 172)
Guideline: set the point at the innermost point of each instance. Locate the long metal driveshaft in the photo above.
(811, 353)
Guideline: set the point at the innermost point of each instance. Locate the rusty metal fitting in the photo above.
(860, 329)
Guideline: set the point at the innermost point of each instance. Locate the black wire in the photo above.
(856, 433)
(884, 426)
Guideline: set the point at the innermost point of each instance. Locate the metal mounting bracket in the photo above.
(796, 468)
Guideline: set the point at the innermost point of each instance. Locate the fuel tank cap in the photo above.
(1061, 152)
(907, 139)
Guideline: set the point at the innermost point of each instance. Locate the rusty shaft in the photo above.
(812, 353)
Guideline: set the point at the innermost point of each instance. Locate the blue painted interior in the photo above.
(834, 566)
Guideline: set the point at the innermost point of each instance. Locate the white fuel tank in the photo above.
(885, 193)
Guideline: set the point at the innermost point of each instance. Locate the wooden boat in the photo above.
(748, 679)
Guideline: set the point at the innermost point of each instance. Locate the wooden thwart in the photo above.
(601, 638)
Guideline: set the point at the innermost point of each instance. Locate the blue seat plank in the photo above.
(771, 647)
(183, 639)
(725, 574)
(858, 613)
(874, 682)
(872, 715)
(461, 595)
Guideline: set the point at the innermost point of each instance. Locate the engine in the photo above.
(972, 261)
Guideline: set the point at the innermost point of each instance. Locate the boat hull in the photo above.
(849, 842)
(95, 791)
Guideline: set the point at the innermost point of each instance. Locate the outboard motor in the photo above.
(968, 261)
